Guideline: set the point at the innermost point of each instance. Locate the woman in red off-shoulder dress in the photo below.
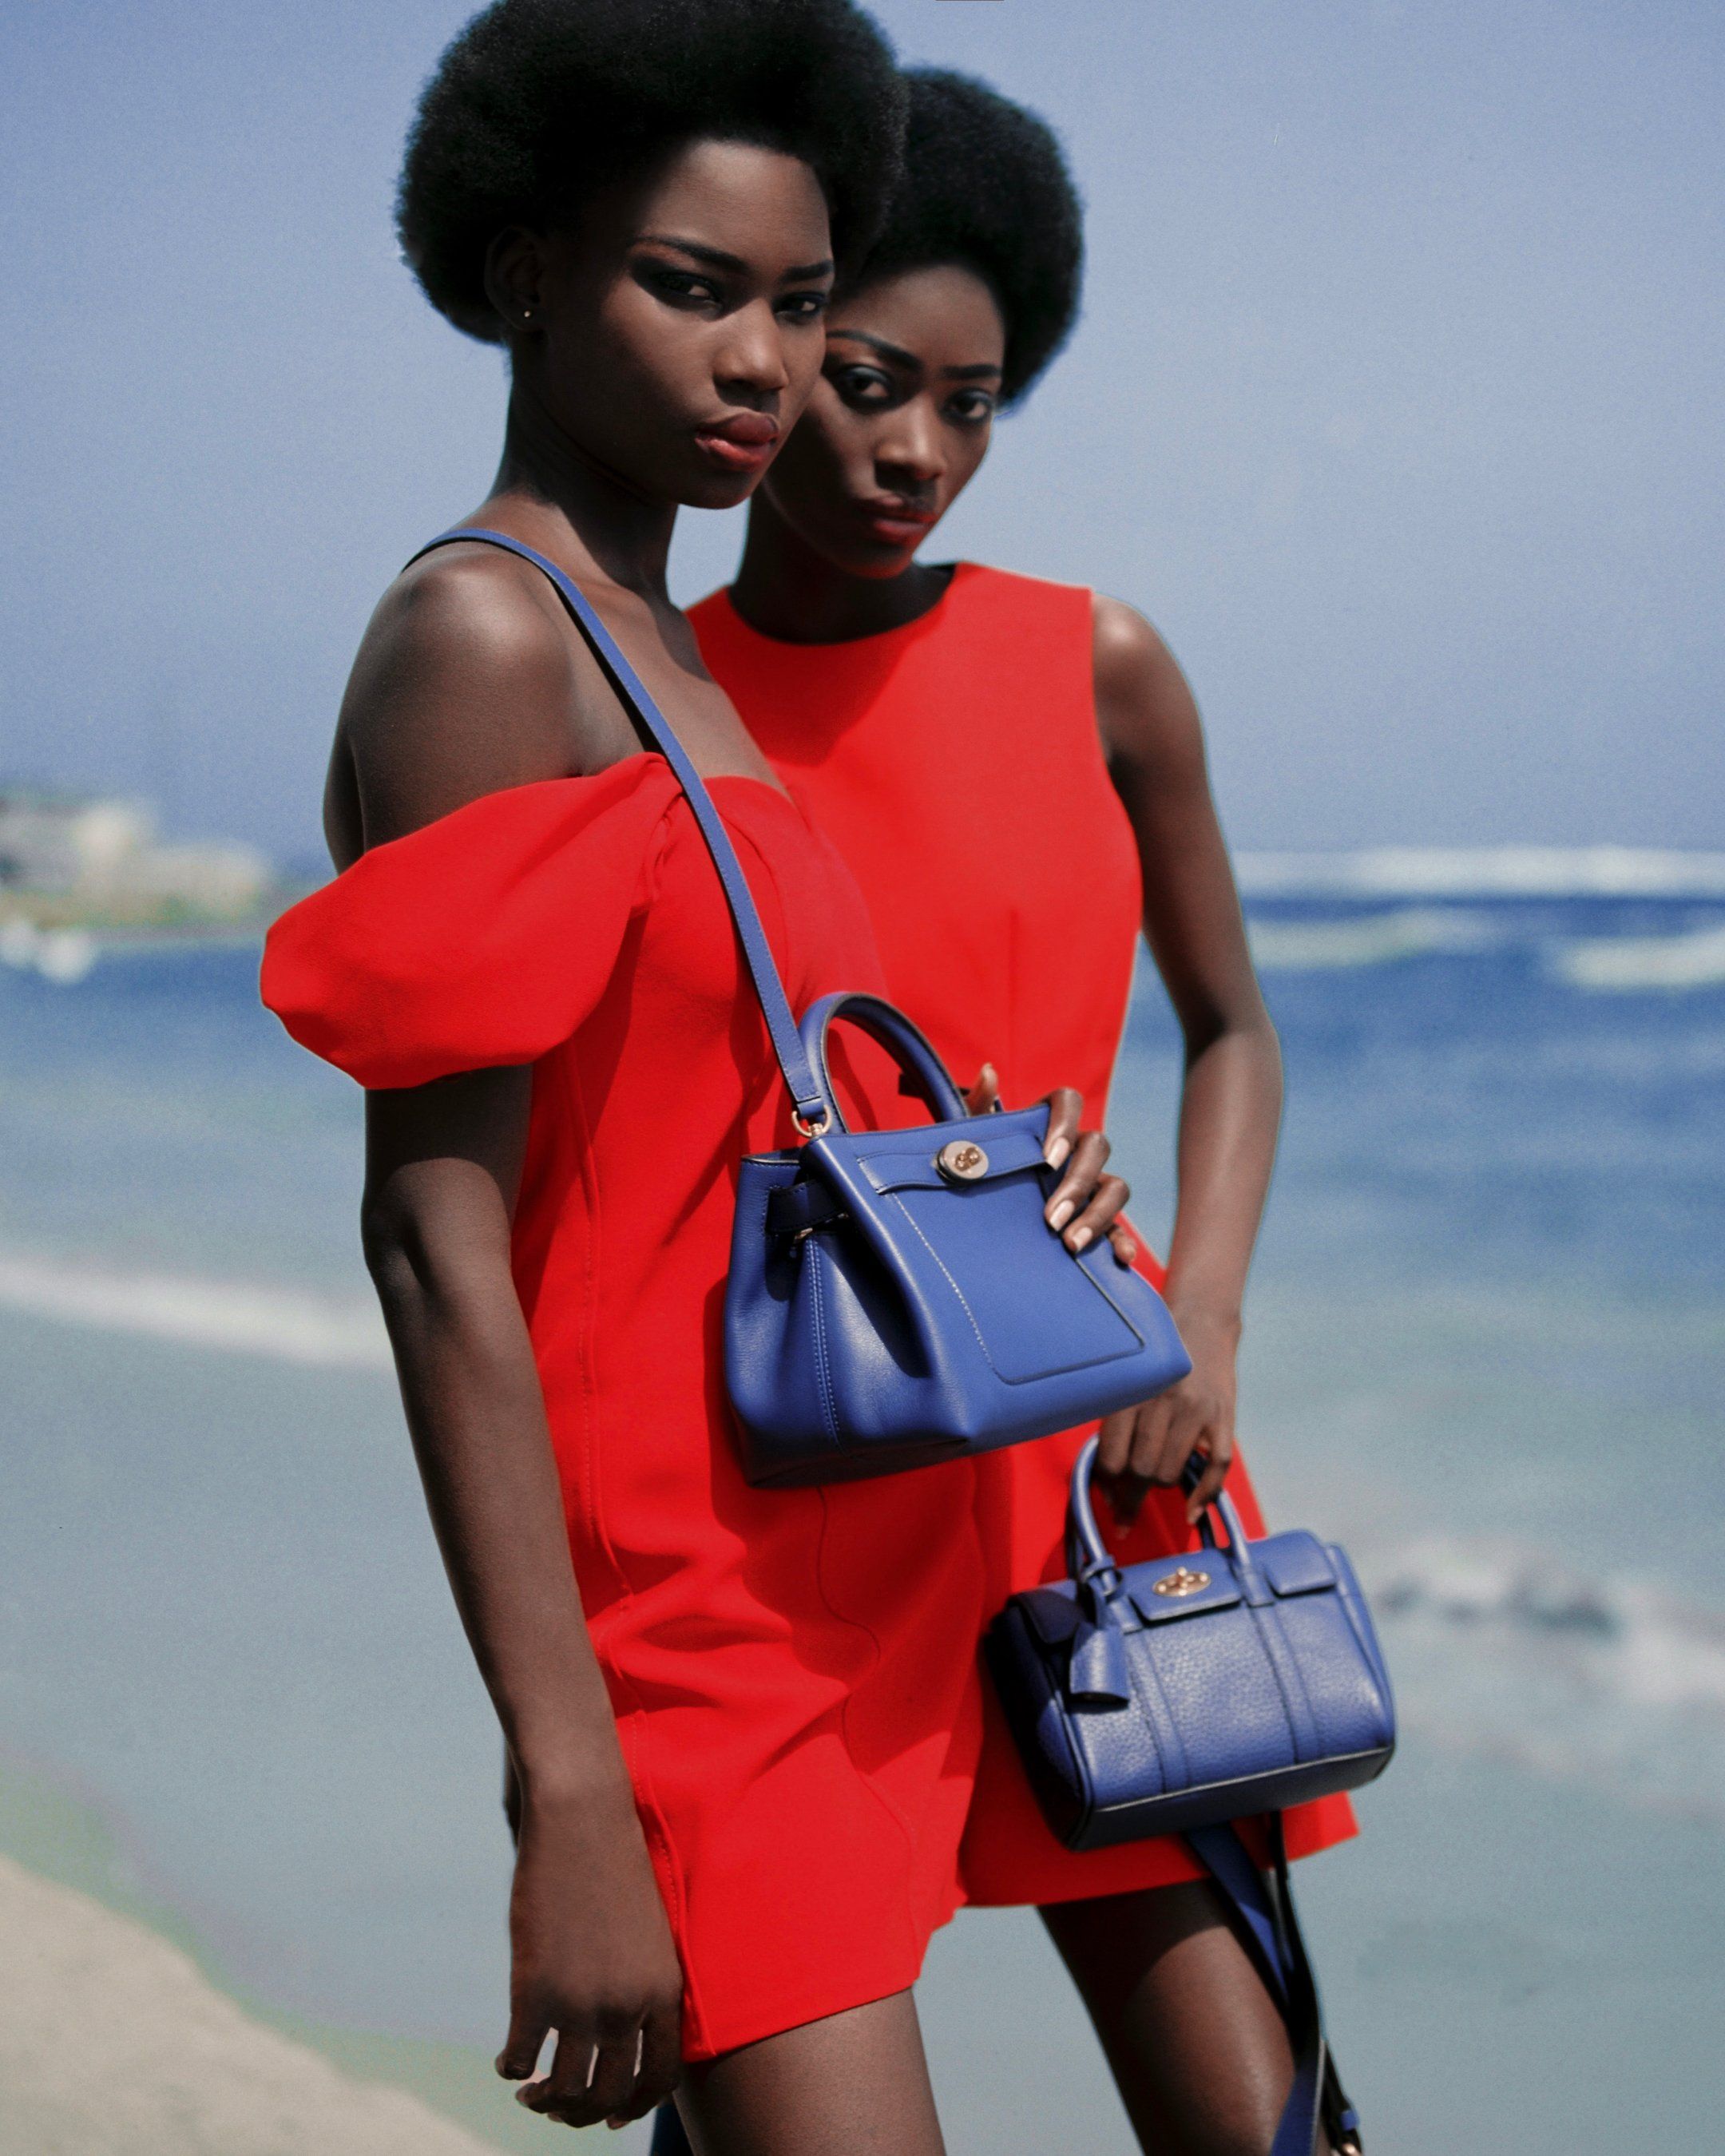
(744, 1723)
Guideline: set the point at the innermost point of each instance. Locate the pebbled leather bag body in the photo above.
(1180, 1695)
(1160, 1697)
(895, 1297)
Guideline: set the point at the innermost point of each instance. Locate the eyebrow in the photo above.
(898, 357)
(715, 258)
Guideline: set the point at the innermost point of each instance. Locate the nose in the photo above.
(751, 364)
(909, 450)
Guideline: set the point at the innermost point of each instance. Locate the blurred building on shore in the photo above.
(85, 861)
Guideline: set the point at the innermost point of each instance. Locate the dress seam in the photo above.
(647, 1803)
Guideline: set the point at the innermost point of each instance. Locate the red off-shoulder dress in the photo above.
(955, 763)
(793, 1672)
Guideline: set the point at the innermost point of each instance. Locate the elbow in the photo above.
(422, 1254)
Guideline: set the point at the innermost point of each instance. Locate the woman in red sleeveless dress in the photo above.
(1014, 770)
(744, 1723)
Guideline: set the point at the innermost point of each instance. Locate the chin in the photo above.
(710, 490)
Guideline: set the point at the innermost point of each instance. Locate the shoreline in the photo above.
(173, 2060)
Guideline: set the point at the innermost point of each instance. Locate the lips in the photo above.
(894, 523)
(741, 441)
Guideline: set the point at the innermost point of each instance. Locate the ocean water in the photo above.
(1485, 1349)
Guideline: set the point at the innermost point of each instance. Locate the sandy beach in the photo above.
(112, 2043)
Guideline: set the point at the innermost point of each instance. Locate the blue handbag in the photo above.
(895, 1297)
(1177, 1694)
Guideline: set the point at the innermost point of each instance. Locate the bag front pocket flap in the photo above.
(1295, 1563)
(1169, 1587)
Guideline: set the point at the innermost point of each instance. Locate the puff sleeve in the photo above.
(483, 939)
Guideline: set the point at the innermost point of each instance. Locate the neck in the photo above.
(785, 589)
(557, 492)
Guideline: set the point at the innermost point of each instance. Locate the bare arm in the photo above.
(1230, 1104)
(463, 687)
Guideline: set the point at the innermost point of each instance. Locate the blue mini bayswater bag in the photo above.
(1153, 1698)
(1180, 1695)
(895, 1297)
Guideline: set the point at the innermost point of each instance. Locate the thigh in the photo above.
(855, 2084)
(1197, 2045)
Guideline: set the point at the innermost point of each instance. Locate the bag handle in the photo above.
(1088, 1554)
(918, 1060)
(816, 1110)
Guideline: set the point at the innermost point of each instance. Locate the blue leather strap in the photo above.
(814, 1104)
(1275, 1940)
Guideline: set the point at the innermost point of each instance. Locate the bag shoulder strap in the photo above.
(814, 1106)
(1271, 1930)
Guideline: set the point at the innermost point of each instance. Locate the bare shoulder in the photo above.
(1145, 709)
(467, 682)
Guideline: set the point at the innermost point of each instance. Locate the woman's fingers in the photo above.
(1116, 1435)
(1109, 1194)
(1123, 1242)
(1064, 1108)
(661, 2066)
(1219, 1450)
(984, 1096)
(1077, 1186)
(589, 2078)
(528, 2028)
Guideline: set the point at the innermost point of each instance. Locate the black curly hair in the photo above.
(985, 184)
(537, 101)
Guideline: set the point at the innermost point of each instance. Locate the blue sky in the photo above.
(1396, 403)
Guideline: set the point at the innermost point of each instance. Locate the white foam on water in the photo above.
(1487, 872)
(61, 955)
(1374, 939)
(1635, 964)
(1596, 1676)
(284, 1325)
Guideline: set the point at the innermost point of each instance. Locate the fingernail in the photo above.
(1058, 1151)
(1079, 1238)
(1124, 1253)
(1061, 1214)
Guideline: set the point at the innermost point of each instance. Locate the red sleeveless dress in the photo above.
(955, 763)
(792, 1670)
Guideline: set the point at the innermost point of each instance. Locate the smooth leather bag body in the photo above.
(1158, 1697)
(895, 1297)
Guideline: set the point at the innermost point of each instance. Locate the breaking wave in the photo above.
(1511, 1651)
(1374, 939)
(1486, 872)
(1634, 964)
(283, 1325)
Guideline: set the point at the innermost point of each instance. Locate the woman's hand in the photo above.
(1151, 1444)
(592, 1958)
(1085, 1202)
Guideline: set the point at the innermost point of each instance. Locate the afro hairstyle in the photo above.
(537, 102)
(985, 185)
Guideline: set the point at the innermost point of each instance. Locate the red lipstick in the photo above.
(893, 521)
(740, 442)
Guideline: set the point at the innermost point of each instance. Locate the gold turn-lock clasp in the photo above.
(962, 1160)
(1179, 1582)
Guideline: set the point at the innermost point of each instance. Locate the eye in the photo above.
(803, 307)
(684, 287)
(862, 386)
(971, 408)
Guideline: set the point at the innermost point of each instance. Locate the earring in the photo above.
(527, 314)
